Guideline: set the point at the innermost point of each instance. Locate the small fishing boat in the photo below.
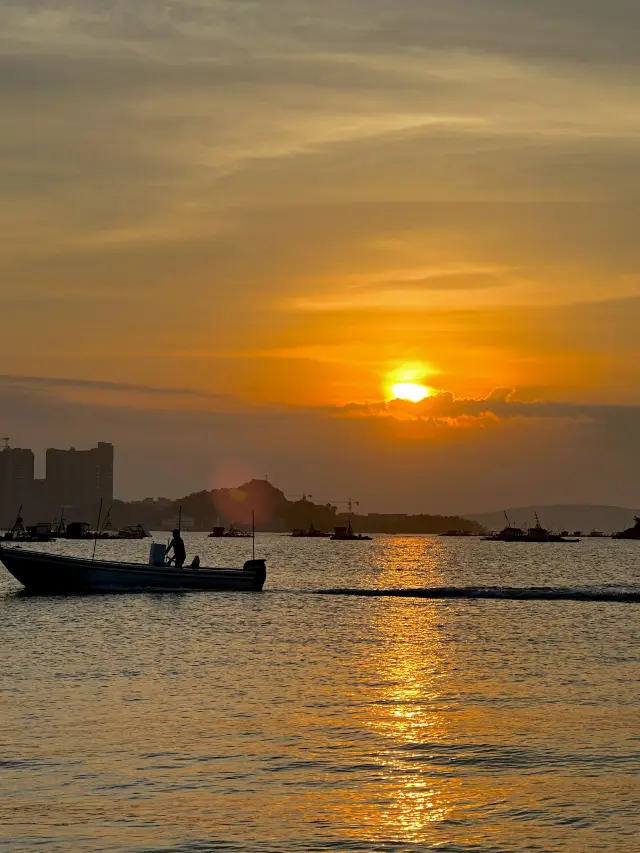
(40, 532)
(132, 531)
(54, 574)
(507, 534)
(311, 533)
(346, 534)
(538, 533)
(231, 533)
(458, 533)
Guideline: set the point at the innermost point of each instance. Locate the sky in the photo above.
(226, 227)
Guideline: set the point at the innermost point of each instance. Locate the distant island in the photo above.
(273, 513)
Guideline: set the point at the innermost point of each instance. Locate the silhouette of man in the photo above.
(179, 552)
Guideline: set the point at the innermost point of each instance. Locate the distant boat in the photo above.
(538, 533)
(630, 532)
(82, 530)
(311, 533)
(41, 532)
(78, 530)
(346, 534)
(507, 534)
(232, 532)
(458, 533)
(596, 534)
(54, 574)
(133, 531)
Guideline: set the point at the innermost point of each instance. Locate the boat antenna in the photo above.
(18, 523)
(253, 533)
(507, 517)
(95, 538)
(106, 520)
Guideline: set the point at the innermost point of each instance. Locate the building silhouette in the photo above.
(16, 482)
(80, 478)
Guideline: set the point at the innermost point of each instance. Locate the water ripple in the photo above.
(298, 722)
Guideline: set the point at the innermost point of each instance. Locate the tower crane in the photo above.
(350, 503)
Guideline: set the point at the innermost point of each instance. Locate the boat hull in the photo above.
(54, 574)
(528, 539)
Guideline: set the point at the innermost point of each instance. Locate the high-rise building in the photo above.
(80, 478)
(16, 482)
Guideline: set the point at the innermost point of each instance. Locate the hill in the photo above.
(273, 512)
(585, 517)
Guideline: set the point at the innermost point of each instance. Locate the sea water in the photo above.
(290, 721)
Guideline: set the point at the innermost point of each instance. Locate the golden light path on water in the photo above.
(411, 676)
(407, 668)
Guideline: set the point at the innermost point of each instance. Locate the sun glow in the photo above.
(405, 382)
(410, 391)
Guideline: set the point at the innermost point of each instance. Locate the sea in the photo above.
(298, 719)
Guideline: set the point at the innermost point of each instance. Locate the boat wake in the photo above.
(506, 593)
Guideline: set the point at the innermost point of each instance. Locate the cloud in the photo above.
(444, 408)
(458, 453)
(48, 383)
(566, 29)
(112, 394)
(178, 173)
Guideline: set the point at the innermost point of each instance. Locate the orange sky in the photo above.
(284, 203)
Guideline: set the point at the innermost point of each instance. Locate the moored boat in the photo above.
(231, 533)
(40, 532)
(507, 534)
(538, 533)
(458, 533)
(54, 574)
(132, 531)
(311, 533)
(346, 534)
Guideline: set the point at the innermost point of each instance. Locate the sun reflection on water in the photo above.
(407, 674)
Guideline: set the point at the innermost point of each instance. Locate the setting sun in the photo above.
(405, 382)
(410, 391)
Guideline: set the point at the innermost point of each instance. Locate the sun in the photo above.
(410, 391)
(405, 381)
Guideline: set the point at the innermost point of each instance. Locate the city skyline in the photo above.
(77, 480)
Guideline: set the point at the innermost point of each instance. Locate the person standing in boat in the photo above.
(179, 551)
